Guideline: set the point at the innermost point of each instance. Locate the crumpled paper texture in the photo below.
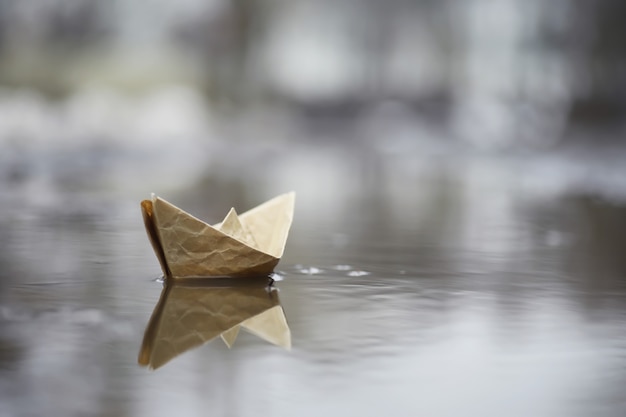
(189, 316)
(242, 245)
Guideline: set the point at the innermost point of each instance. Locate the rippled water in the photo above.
(429, 295)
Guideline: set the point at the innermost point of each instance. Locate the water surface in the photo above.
(425, 294)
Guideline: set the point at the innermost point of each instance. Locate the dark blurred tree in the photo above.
(77, 23)
(53, 23)
(598, 32)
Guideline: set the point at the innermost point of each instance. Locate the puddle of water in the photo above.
(444, 299)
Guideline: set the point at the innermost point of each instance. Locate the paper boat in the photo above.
(188, 316)
(242, 245)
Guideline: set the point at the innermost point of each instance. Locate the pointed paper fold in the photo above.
(248, 244)
(189, 316)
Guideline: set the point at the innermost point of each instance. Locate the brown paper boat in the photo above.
(242, 245)
(188, 316)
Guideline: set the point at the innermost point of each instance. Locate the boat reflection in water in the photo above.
(193, 312)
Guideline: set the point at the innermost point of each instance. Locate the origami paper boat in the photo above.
(188, 316)
(242, 245)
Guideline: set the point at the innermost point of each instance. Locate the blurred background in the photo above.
(495, 75)
(154, 78)
(460, 170)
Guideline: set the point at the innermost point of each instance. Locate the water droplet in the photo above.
(277, 276)
(358, 273)
(311, 271)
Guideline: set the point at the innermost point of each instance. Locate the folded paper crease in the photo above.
(241, 245)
